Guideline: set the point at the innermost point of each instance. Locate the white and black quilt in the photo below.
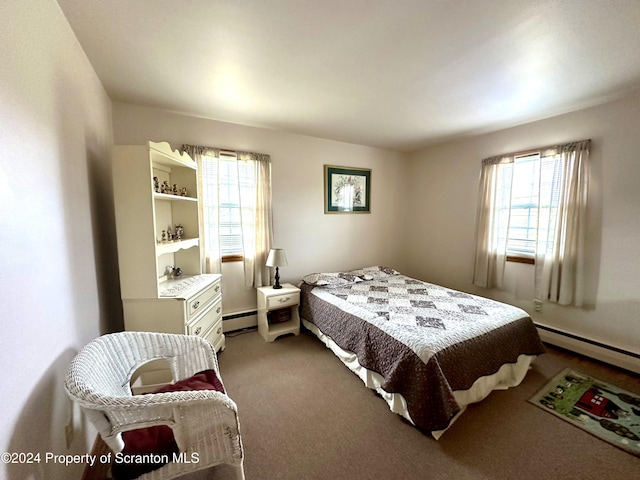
(425, 340)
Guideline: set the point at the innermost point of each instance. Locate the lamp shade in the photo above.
(276, 258)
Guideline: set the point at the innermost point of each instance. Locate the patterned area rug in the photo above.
(604, 410)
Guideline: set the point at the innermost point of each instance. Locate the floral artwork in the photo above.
(347, 190)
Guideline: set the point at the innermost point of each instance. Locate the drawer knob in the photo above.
(195, 305)
(218, 310)
(217, 288)
(219, 330)
(282, 300)
(198, 330)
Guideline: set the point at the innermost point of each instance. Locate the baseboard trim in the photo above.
(591, 348)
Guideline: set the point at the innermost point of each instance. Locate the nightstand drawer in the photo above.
(200, 302)
(203, 324)
(285, 300)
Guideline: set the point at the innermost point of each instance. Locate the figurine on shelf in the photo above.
(169, 234)
(164, 188)
(173, 272)
(183, 192)
(179, 232)
(175, 189)
(156, 184)
(164, 236)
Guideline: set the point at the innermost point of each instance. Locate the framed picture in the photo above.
(347, 190)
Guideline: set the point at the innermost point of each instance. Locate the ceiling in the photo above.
(398, 74)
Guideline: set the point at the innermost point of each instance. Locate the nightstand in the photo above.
(278, 311)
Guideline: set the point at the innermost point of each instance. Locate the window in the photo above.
(232, 179)
(532, 207)
(230, 228)
(521, 237)
(533, 178)
(235, 210)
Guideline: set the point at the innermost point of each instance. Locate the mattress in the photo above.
(428, 350)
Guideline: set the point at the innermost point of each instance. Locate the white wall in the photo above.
(424, 208)
(57, 238)
(443, 182)
(313, 241)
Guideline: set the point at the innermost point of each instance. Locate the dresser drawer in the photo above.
(206, 320)
(215, 336)
(200, 302)
(284, 300)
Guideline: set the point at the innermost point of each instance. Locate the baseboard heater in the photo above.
(239, 315)
(239, 320)
(607, 353)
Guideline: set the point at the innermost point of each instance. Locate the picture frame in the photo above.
(347, 189)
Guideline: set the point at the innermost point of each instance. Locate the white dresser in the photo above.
(191, 305)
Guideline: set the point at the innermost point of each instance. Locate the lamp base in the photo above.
(277, 285)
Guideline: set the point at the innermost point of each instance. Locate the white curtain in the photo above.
(208, 205)
(257, 224)
(494, 205)
(255, 210)
(562, 224)
(562, 206)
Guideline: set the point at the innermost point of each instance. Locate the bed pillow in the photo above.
(375, 272)
(331, 279)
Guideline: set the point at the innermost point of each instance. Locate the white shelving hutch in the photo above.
(152, 299)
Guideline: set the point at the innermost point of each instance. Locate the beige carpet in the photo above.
(305, 416)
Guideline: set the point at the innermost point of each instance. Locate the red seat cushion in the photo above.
(159, 439)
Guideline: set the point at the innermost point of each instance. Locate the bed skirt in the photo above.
(509, 375)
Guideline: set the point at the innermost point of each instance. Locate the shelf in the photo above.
(290, 326)
(172, 247)
(172, 197)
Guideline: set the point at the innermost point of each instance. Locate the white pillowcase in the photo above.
(335, 279)
(331, 279)
(375, 272)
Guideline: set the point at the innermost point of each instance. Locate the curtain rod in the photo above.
(536, 150)
(228, 152)
(221, 150)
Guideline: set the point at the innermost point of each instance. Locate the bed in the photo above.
(429, 351)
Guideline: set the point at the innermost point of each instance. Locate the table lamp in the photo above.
(277, 259)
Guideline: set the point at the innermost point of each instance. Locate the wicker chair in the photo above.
(202, 421)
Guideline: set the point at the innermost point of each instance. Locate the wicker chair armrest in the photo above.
(177, 412)
(151, 400)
